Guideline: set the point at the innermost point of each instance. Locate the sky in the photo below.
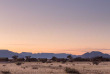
(55, 26)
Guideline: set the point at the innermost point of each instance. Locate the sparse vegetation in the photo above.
(4, 65)
(43, 60)
(23, 67)
(54, 65)
(18, 63)
(51, 64)
(95, 62)
(54, 58)
(69, 57)
(71, 71)
(34, 67)
(60, 65)
(6, 72)
(15, 57)
(49, 61)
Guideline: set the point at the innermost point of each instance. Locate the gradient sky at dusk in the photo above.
(55, 26)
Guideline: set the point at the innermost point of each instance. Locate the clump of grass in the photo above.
(4, 65)
(95, 62)
(26, 66)
(23, 67)
(89, 63)
(73, 64)
(71, 71)
(51, 72)
(18, 63)
(6, 72)
(51, 64)
(49, 61)
(60, 65)
(34, 67)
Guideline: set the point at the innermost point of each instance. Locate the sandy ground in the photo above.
(55, 68)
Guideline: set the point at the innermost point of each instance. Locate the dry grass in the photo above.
(55, 67)
(5, 72)
(71, 70)
(18, 63)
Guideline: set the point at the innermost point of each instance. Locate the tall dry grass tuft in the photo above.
(71, 71)
(18, 63)
(95, 62)
(6, 72)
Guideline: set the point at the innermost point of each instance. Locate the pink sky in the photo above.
(53, 26)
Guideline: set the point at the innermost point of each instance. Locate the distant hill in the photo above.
(9, 54)
(94, 54)
(46, 55)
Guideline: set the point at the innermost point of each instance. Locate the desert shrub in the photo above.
(43, 60)
(71, 60)
(51, 64)
(15, 57)
(78, 59)
(18, 63)
(20, 59)
(3, 59)
(54, 58)
(4, 65)
(73, 64)
(63, 60)
(89, 63)
(69, 57)
(49, 61)
(33, 60)
(71, 71)
(6, 72)
(96, 62)
(34, 67)
(23, 67)
(60, 65)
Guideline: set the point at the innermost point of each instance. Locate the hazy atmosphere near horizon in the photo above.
(55, 26)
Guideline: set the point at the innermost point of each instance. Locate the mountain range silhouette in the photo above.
(9, 54)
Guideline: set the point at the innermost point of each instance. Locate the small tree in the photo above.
(54, 58)
(15, 57)
(28, 58)
(97, 60)
(69, 57)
